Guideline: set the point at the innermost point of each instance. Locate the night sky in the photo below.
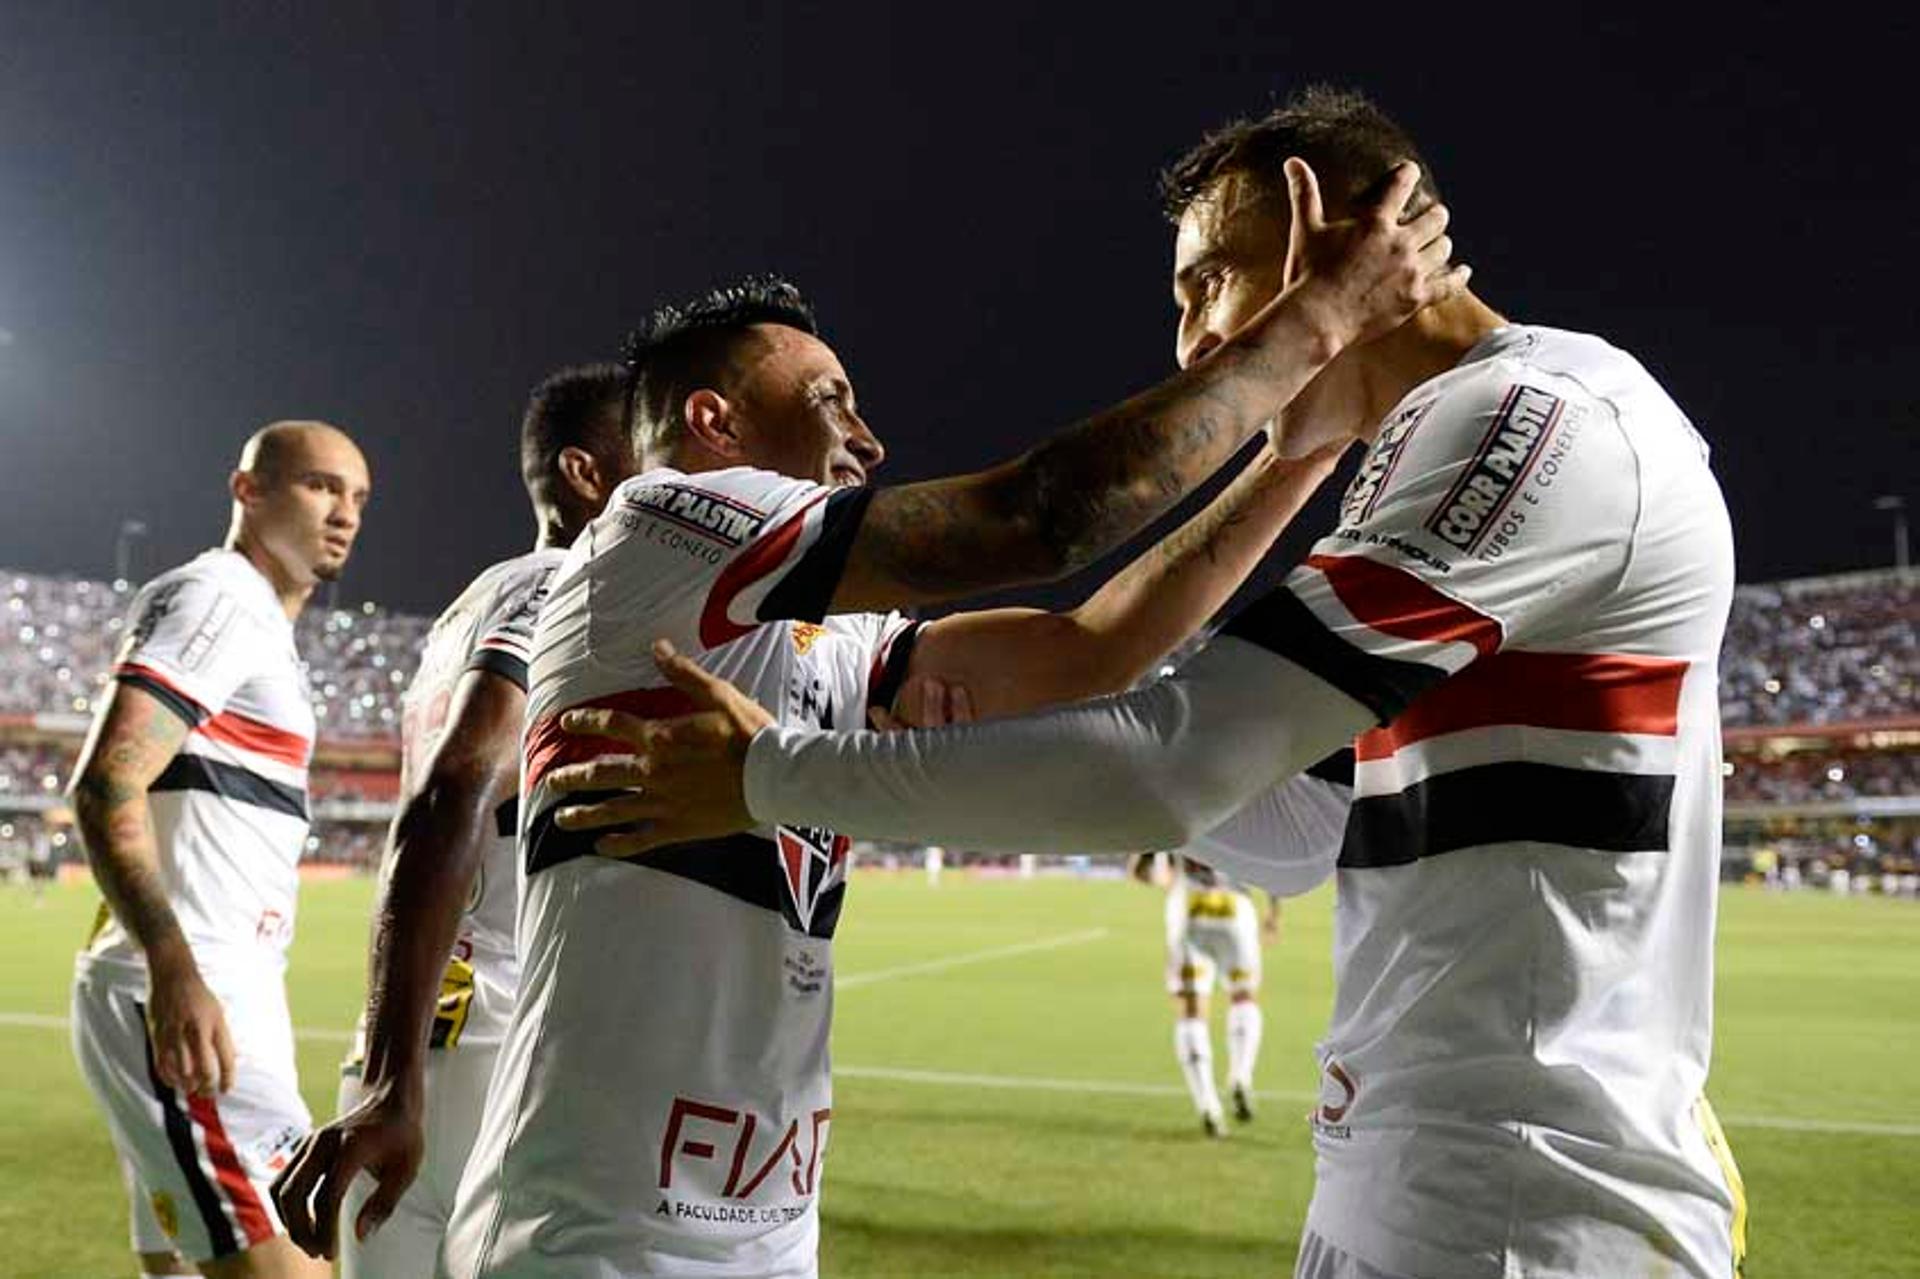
(215, 216)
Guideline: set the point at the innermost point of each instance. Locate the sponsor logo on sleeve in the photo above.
(160, 603)
(706, 515)
(207, 637)
(1364, 493)
(524, 611)
(1472, 509)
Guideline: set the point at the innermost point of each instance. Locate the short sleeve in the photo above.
(755, 546)
(503, 644)
(1486, 517)
(887, 640)
(185, 645)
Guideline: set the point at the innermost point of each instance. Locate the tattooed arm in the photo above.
(1058, 506)
(134, 737)
(1012, 660)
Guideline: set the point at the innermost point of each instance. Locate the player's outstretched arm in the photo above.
(1058, 506)
(1156, 768)
(1014, 660)
(437, 844)
(134, 737)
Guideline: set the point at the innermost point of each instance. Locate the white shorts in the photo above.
(1210, 933)
(197, 1169)
(408, 1242)
(1321, 1260)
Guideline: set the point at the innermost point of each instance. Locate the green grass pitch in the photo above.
(968, 1013)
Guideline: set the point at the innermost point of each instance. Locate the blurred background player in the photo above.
(752, 540)
(443, 969)
(190, 796)
(1214, 934)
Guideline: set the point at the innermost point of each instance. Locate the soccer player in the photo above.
(1214, 933)
(1516, 622)
(662, 1102)
(443, 969)
(190, 797)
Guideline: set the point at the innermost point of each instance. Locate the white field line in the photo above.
(962, 960)
(1119, 1088)
(1041, 1083)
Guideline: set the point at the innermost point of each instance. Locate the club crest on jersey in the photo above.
(1364, 493)
(813, 862)
(1512, 445)
(165, 1213)
(804, 634)
(707, 514)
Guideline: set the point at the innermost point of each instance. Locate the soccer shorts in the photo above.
(408, 1242)
(1321, 1260)
(1209, 934)
(197, 1169)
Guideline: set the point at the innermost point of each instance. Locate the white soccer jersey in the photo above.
(1528, 586)
(1527, 590)
(662, 1102)
(211, 641)
(488, 628)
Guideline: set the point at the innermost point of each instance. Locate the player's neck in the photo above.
(552, 530)
(292, 592)
(1423, 348)
(690, 458)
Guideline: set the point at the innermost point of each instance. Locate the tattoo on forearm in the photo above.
(110, 806)
(1085, 490)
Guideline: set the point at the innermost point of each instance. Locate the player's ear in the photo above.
(244, 486)
(581, 471)
(710, 421)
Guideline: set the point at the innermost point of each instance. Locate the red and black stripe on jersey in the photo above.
(1512, 701)
(188, 771)
(746, 867)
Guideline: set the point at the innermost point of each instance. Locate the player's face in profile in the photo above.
(308, 513)
(1229, 260)
(797, 415)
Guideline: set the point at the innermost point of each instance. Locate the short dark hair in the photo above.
(684, 346)
(1350, 143)
(577, 407)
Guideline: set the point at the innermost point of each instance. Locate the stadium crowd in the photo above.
(1818, 775)
(1823, 652)
(1813, 652)
(60, 635)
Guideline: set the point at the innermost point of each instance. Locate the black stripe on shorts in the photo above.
(180, 1138)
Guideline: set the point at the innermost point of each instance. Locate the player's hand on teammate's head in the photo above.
(1368, 274)
(192, 1048)
(384, 1136)
(683, 776)
(924, 701)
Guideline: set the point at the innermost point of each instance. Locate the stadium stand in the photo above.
(1823, 651)
(1820, 696)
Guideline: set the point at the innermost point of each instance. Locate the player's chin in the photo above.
(330, 566)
